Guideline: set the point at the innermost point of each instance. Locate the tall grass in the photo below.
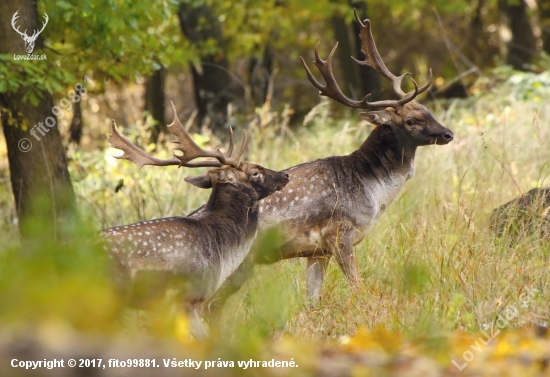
(432, 262)
(431, 265)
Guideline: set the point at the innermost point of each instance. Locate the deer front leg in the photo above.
(345, 256)
(214, 306)
(196, 326)
(316, 268)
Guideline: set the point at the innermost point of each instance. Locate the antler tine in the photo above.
(372, 57)
(331, 89)
(409, 96)
(133, 153)
(189, 148)
(236, 159)
(186, 145)
(310, 76)
(373, 60)
(426, 85)
(230, 149)
(243, 146)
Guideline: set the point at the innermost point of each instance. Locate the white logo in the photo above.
(29, 40)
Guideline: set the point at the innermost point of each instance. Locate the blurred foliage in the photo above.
(434, 273)
(435, 276)
(460, 206)
(116, 39)
(122, 40)
(46, 281)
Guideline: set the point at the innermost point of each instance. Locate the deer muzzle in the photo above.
(443, 137)
(284, 179)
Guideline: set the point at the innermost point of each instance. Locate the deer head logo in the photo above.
(29, 40)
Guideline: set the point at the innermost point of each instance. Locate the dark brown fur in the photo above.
(199, 253)
(330, 204)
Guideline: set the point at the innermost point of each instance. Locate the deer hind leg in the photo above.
(316, 268)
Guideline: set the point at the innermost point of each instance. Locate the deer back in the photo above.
(203, 250)
(339, 195)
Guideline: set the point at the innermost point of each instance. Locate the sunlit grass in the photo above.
(431, 265)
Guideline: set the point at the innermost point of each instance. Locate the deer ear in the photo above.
(377, 117)
(201, 181)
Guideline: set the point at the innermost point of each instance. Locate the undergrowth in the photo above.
(432, 264)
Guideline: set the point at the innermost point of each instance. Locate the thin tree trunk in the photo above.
(544, 17)
(482, 48)
(154, 102)
(477, 38)
(75, 130)
(38, 166)
(260, 71)
(522, 46)
(213, 84)
(349, 69)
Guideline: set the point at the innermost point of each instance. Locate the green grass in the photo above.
(432, 262)
(431, 265)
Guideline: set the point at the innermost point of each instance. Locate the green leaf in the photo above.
(67, 16)
(64, 5)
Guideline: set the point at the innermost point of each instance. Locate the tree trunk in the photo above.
(349, 69)
(522, 46)
(370, 79)
(154, 102)
(260, 71)
(476, 37)
(544, 16)
(213, 84)
(75, 130)
(38, 166)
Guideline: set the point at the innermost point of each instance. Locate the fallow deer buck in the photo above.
(198, 253)
(331, 204)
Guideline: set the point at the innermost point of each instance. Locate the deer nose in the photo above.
(448, 136)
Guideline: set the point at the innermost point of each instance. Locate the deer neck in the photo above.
(234, 206)
(232, 212)
(387, 152)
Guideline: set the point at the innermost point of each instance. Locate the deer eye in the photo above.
(410, 122)
(256, 174)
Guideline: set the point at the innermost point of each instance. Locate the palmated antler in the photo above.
(373, 60)
(186, 145)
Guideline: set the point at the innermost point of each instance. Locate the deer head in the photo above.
(229, 169)
(331, 204)
(409, 117)
(194, 255)
(29, 40)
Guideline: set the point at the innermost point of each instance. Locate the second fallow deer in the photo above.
(331, 204)
(197, 254)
